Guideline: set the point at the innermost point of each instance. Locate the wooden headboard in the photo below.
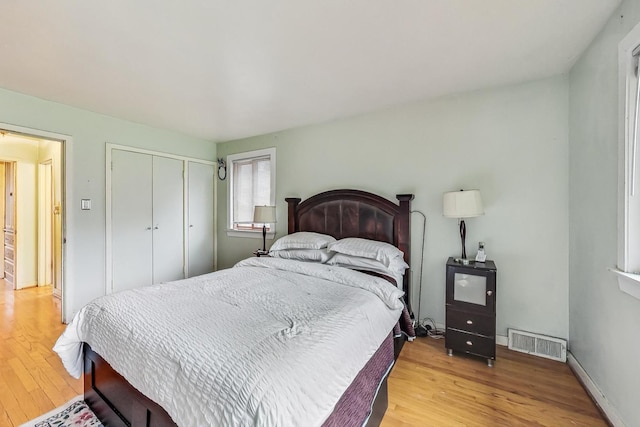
(355, 213)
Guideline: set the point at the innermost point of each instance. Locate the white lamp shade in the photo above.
(462, 204)
(264, 215)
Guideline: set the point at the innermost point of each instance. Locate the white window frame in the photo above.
(231, 160)
(628, 266)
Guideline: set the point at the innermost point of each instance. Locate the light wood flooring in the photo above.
(429, 388)
(32, 378)
(426, 387)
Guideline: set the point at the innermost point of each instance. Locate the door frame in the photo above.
(46, 252)
(66, 192)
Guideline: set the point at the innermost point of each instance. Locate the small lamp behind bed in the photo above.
(264, 215)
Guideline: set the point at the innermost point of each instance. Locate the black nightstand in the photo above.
(471, 309)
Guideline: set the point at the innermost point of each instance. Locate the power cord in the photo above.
(424, 233)
(428, 328)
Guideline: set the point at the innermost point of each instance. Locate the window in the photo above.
(629, 167)
(251, 183)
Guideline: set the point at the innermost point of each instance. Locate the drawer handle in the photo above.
(489, 293)
(469, 343)
(469, 322)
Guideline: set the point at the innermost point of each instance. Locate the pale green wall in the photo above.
(603, 321)
(511, 143)
(85, 248)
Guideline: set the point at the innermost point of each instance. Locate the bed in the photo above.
(362, 397)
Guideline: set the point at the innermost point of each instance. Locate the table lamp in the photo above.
(264, 215)
(462, 204)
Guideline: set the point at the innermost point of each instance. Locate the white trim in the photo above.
(609, 410)
(254, 234)
(628, 283)
(628, 259)
(40, 248)
(67, 212)
(185, 219)
(271, 152)
(108, 283)
(159, 153)
(502, 340)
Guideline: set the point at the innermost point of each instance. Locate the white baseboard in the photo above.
(502, 340)
(595, 393)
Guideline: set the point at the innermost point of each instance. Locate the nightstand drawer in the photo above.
(470, 343)
(471, 322)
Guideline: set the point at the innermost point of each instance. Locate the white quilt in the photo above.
(270, 342)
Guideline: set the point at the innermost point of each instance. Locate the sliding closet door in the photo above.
(168, 219)
(200, 218)
(131, 219)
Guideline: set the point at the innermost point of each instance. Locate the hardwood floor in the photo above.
(429, 388)
(426, 387)
(32, 378)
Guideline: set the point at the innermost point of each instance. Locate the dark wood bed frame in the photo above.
(340, 213)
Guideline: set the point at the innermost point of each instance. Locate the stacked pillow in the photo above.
(303, 246)
(352, 252)
(369, 255)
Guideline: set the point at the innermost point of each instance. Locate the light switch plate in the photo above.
(85, 204)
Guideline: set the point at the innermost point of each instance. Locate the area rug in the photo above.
(74, 413)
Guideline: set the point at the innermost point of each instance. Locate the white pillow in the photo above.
(317, 255)
(395, 270)
(365, 248)
(397, 264)
(302, 240)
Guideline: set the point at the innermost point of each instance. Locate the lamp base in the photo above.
(463, 235)
(464, 261)
(264, 238)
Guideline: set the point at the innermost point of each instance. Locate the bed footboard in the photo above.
(117, 403)
(114, 401)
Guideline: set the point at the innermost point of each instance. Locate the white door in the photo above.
(45, 224)
(131, 219)
(168, 219)
(200, 218)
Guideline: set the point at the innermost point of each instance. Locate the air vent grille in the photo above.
(538, 345)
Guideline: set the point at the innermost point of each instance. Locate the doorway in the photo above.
(32, 185)
(46, 227)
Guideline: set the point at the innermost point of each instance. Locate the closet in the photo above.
(200, 234)
(154, 200)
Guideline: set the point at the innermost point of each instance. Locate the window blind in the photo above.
(252, 187)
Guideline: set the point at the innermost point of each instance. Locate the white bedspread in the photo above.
(270, 342)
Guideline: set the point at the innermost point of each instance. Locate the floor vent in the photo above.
(538, 345)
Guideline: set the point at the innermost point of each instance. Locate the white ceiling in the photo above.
(224, 69)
